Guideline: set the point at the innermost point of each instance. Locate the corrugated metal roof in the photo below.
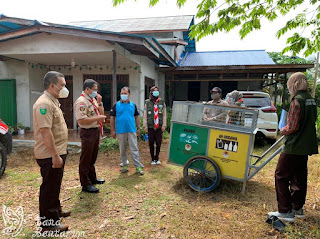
(225, 58)
(152, 24)
(141, 45)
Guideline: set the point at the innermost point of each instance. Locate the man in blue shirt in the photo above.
(125, 125)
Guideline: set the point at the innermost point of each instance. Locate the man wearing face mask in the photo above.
(90, 116)
(215, 114)
(50, 149)
(154, 122)
(125, 125)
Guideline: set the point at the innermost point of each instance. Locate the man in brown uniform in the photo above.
(51, 138)
(90, 116)
(215, 114)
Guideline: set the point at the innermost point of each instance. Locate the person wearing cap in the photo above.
(50, 149)
(234, 99)
(89, 113)
(215, 114)
(291, 173)
(154, 122)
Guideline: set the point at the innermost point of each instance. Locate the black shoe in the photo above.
(99, 181)
(276, 223)
(90, 189)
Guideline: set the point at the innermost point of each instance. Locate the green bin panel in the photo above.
(8, 103)
(187, 141)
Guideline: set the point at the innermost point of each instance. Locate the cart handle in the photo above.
(268, 150)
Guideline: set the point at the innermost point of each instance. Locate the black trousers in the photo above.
(89, 154)
(291, 181)
(49, 203)
(154, 136)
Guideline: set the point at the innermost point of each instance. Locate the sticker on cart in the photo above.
(225, 154)
(229, 150)
(189, 138)
(188, 147)
(227, 145)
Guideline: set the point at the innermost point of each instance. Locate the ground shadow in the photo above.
(228, 190)
(127, 181)
(87, 204)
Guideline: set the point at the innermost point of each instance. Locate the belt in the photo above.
(90, 128)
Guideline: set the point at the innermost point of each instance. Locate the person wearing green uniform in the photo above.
(300, 141)
(154, 122)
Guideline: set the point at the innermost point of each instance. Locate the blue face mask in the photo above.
(124, 97)
(155, 93)
(93, 94)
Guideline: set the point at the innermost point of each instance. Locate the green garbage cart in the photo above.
(211, 149)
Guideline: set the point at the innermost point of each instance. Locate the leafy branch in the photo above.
(248, 15)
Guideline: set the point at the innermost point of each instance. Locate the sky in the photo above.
(65, 11)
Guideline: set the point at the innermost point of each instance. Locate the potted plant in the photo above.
(21, 128)
(27, 130)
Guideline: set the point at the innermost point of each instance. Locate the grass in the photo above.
(159, 204)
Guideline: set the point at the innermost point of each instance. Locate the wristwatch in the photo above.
(101, 104)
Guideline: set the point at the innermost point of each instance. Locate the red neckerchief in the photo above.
(97, 112)
(156, 113)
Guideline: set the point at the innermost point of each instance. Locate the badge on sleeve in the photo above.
(82, 108)
(43, 110)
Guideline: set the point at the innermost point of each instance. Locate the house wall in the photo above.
(36, 86)
(54, 43)
(18, 70)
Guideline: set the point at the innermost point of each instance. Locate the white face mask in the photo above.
(215, 96)
(64, 92)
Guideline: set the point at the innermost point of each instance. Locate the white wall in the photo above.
(54, 43)
(18, 70)
(36, 86)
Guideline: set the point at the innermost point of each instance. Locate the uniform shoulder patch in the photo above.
(82, 107)
(43, 110)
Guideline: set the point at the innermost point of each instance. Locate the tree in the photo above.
(279, 58)
(229, 14)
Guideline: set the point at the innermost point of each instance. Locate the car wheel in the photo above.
(259, 139)
(3, 159)
(271, 141)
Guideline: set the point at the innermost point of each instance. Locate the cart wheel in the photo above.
(202, 174)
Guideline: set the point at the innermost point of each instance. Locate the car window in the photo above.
(256, 102)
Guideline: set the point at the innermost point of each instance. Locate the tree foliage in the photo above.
(226, 15)
(279, 58)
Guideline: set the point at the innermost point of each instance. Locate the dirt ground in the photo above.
(157, 205)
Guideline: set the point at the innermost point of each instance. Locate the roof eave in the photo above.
(96, 34)
(284, 67)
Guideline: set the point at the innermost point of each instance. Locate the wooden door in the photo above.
(105, 88)
(67, 103)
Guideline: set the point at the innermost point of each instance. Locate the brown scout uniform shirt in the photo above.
(47, 114)
(220, 114)
(84, 109)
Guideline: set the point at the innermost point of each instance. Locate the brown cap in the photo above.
(217, 89)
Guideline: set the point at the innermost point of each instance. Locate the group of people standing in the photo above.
(51, 138)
